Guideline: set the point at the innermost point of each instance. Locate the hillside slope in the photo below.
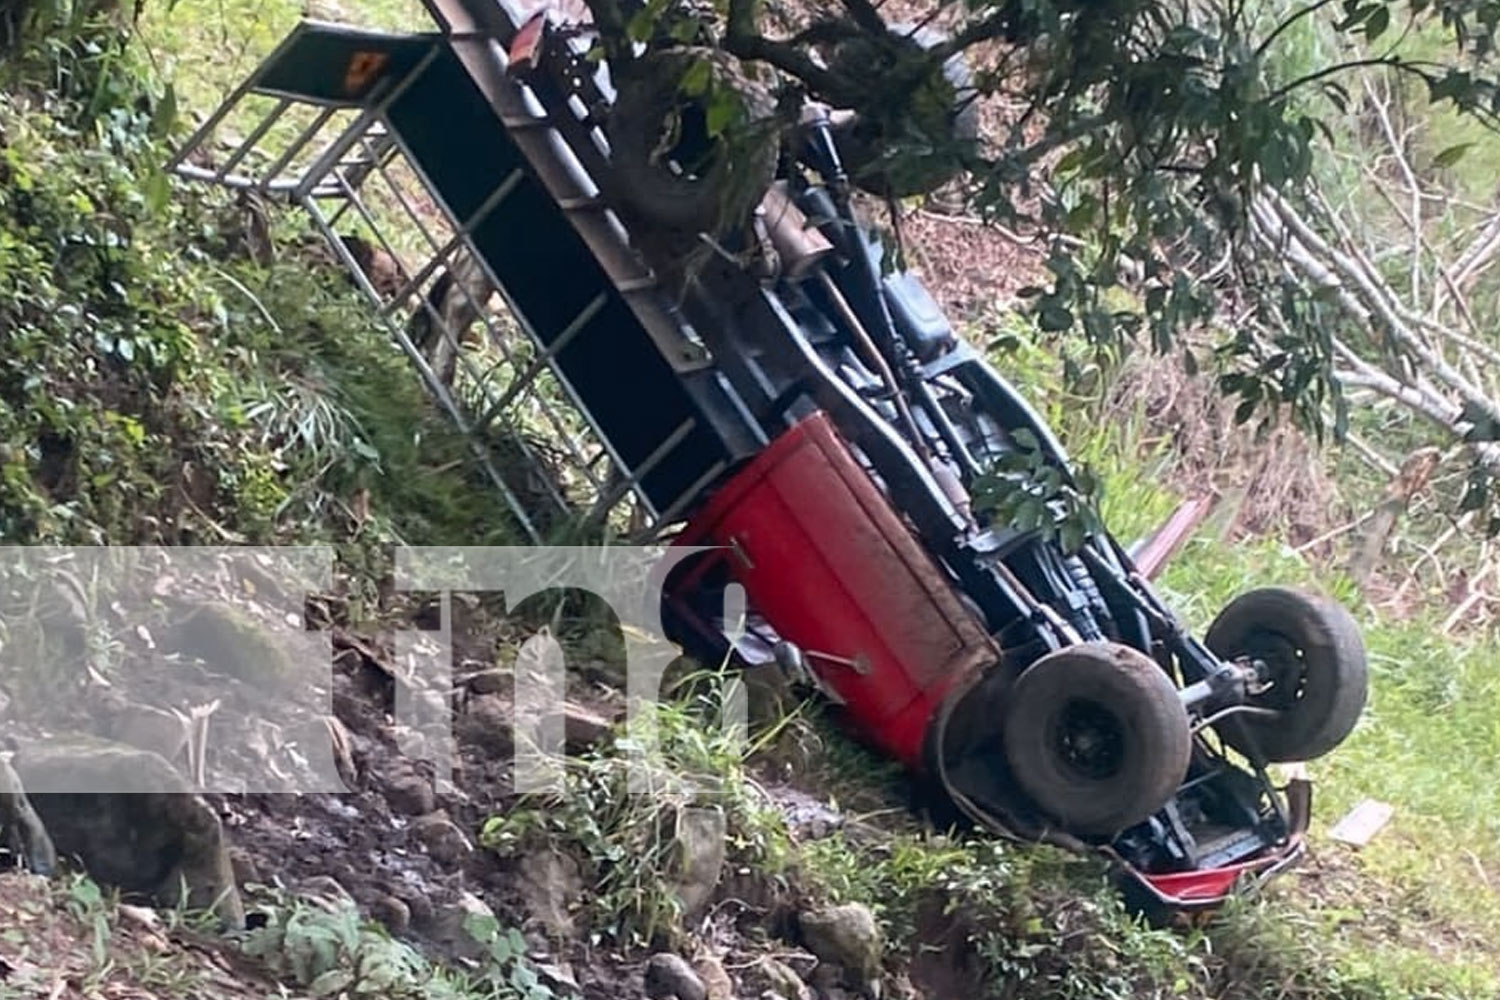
(158, 384)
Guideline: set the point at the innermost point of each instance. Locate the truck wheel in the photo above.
(719, 181)
(1318, 672)
(1097, 736)
(946, 111)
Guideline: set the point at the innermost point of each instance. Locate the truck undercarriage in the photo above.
(777, 390)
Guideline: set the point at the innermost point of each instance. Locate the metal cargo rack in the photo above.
(439, 181)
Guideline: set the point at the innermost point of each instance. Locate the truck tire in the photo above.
(1318, 670)
(861, 144)
(1097, 736)
(734, 179)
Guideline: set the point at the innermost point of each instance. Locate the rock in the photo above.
(559, 976)
(490, 682)
(146, 727)
(419, 904)
(825, 978)
(716, 981)
(847, 936)
(24, 834)
(780, 980)
(149, 836)
(411, 795)
(550, 883)
(242, 863)
(350, 706)
(700, 844)
(584, 729)
(489, 724)
(670, 977)
(230, 641)
(807, 816)
(451, 925)
(444, 841)
(393, 913)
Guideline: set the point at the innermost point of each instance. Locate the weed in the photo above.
(619, 806)
(334, 952)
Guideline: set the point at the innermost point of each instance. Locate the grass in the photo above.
(618, 809)
(336, 952)
(70, 937)
(1429, 744)
(71, 933)
(160, 385)
(206, 48)
(1412, 915)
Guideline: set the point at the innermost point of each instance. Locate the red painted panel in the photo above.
(834, 569)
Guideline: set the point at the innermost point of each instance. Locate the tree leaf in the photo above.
(696, 80)
(1451, 155)
(721, 112)
(1072, 536)
(164, 116)
(1054, 318)
(641, 25)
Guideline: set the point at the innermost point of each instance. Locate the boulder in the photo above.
(491, 682)
(453, 926)
(445, 842)
(779, 980)
(230, 641)
(23, 832)
(133, 822)
(410, 795)
(700, 846)
(489, 724)
(846, 936)
(584, 729)
(670, 977)
(550, 884)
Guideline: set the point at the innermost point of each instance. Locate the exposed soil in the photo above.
(972, 268)
(48, 951)
(385, 839)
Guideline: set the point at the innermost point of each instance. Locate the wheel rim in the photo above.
(682, 136)
(1088, 739)
(1286, 669)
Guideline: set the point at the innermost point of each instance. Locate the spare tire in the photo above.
(671, 171)
(944, 114)
(1097, 736)
(1318, 672)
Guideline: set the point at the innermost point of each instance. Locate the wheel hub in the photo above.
(1090, 739)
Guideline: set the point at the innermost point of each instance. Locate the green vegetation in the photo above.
(74, 931)
(157, 385)
(331, 951)
(619, 809)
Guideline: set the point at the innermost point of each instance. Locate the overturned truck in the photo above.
(690, 343)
